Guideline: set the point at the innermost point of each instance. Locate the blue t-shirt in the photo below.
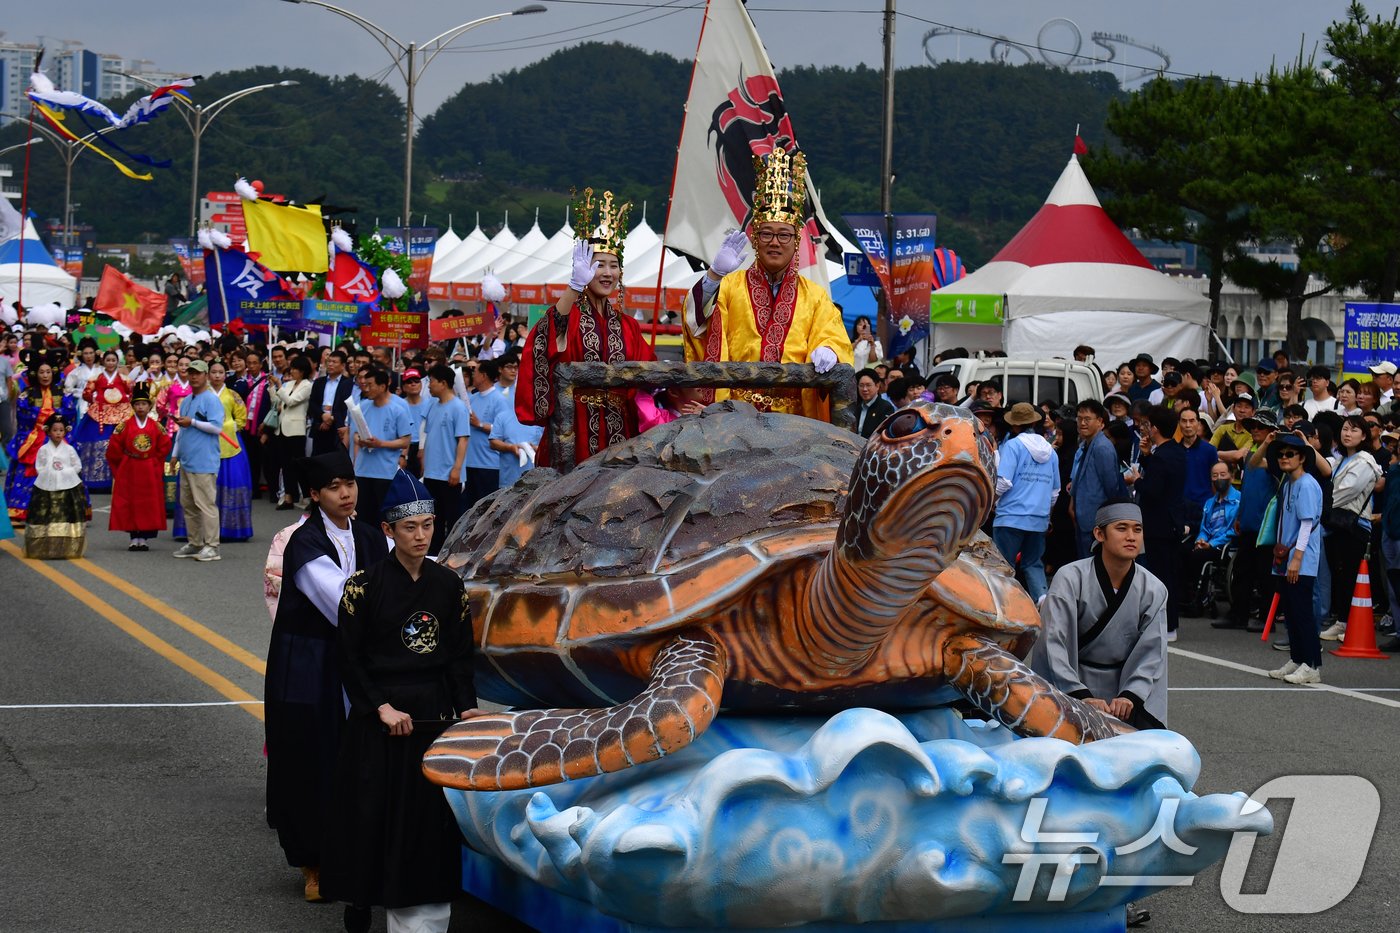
(415, 415)
(445, 423)
(507, 427)
(486, 406)
(387, 422)
(1301, 499)
(199, 452)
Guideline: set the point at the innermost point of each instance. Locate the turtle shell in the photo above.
(680, 491)
(569, 573)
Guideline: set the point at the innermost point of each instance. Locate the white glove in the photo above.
(731, 254)
(584, 266)
(823, 358)
(526, 453)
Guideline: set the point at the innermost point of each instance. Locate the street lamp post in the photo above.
(69, 149)
(198, 117)
(405, 56)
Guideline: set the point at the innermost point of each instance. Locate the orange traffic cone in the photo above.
(1360, 639)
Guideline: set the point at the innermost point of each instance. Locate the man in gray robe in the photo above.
(1103, 625)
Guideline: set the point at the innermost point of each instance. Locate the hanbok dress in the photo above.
(108, 405)
(58, 506)
(233, 490)
(136, 456)
(33, 408)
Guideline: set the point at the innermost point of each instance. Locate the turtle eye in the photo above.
(904, 424)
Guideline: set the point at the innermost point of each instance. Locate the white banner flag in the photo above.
(735, 111)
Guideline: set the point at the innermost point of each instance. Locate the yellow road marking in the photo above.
(225, 687)
(202, 632)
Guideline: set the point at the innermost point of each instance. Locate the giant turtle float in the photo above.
(747, 560)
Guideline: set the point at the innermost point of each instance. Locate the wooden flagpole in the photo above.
(671, 198)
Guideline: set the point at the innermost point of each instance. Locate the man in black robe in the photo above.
(304, 706)
(406, 653)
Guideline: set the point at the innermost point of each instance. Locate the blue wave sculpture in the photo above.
(866, 817)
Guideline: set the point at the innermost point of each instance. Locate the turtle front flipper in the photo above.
(998, 684)
(530, 748)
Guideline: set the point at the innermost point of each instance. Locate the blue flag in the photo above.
(239, 287)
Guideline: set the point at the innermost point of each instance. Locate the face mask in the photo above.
(1220, 484)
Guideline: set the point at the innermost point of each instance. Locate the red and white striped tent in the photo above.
(1071, 276)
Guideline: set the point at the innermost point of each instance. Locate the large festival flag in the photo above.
(136, 306)
(735, 111)
(290, 239)
(235, 283)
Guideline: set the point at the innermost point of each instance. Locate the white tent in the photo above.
(446, 265)
(445, 245)
(519, 256)
(471, 271)
(1071, 277)
(44, 281)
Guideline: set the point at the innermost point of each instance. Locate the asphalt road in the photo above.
(131, 769)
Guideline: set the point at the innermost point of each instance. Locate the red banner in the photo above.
(466, 291)
(439, 291)
(465, 325)
(399, 330)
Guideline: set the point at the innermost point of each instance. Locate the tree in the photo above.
(1296, 180)
(1367, 69)
(1179, 173)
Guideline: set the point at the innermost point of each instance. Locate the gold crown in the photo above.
(780, 188)
(608, 234)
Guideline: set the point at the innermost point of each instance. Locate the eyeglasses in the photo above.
(783, 236)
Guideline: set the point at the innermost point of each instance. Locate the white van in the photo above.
(1063, 382)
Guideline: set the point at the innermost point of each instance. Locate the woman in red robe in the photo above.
(136, 455)
(584, 326)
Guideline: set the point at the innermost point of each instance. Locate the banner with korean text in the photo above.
(907, 289)
(418, 243)
(1372, 337)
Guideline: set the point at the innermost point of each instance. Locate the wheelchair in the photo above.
(1213, 584)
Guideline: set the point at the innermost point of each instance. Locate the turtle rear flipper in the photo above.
(530, 748)
(1001, 686)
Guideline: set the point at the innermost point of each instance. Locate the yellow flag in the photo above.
(287, 239)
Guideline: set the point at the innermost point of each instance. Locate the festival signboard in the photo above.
(1372, 337)
(468, 324)
(967, 309)
(908, 287)
(396, 329)
(191, 258)
(284, 312)
(418, 243)
(330, 312)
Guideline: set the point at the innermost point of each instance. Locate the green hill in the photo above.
(978, 144)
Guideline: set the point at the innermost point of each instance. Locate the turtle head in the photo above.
(920, 489)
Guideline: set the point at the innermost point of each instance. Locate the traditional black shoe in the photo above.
(1254, 627)
(1390, 644)
(1227, 623)
(356, 919)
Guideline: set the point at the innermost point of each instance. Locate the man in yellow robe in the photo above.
(768, 313)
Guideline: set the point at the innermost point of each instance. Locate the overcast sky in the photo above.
(1235, 38)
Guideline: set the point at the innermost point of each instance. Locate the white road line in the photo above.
(127, 705)
(1260, 672)
(1278, 689)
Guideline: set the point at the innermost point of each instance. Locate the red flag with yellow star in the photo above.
(138, 307)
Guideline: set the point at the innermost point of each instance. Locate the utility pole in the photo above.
(887, 171)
